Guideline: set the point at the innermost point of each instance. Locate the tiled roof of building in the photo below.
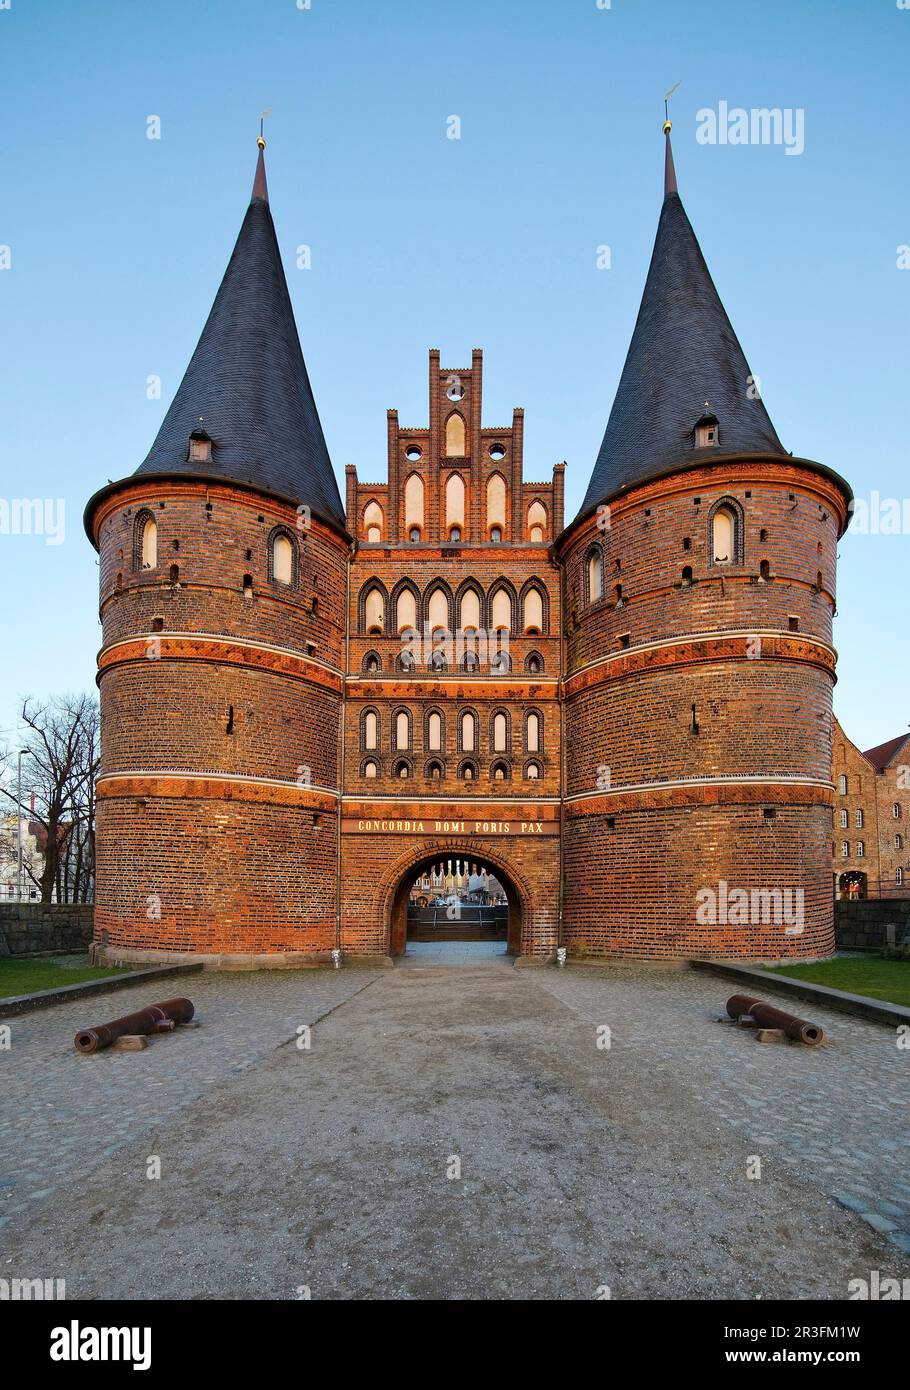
(248, 382)
(883, 754)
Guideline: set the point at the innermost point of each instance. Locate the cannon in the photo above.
(157, 1018)
(756, 1014)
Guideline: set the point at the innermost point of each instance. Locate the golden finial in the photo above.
(262, 115)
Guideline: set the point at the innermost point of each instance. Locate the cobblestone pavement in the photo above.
(840, 1114)
(60, 1111)
(455, 1133)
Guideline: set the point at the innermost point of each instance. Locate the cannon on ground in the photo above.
(157, 1018)
(753, 1013)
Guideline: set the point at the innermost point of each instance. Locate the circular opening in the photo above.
(497, 452)
(413, 453)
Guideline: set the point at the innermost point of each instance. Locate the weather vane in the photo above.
(667, 122)
(262, 115)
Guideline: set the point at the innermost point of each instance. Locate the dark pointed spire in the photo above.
(683, 352)
(248, 380)
(260, 187)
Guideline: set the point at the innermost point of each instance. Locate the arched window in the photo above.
(405, 611)
(438, 612)
(469, 615)
(470, 662)
(500, 772)
(533, 732)
(534, 663)
(434, 731)
(406, 661)
(401, 769)
(372, 664)
(434, 770)
(500, 732)
(372, 521)
(370, 730)
(537, 521)
(725, 532)
(455, 436)
(370, 768)
(467, 726)
(402, 729)
(496, 504)
(374, 610)
(595, 574)
(501, 611)
(146, 541)
(437, 661)
(896, 810)
(281, 559)
(468, 772)
(413, 505)
(454, 503)
(532, 618)
(532, 771)
(500, 663)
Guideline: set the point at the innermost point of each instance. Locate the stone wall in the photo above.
(38, 929)
(862, 925)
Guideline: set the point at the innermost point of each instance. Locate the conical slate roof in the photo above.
(683, 354)
(248, 382)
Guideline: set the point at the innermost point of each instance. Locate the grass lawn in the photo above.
(882, 979)
(26, 976)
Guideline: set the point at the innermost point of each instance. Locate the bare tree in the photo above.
(62, 741)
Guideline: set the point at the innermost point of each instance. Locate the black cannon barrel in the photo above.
(767, 1016)
(156, 1018)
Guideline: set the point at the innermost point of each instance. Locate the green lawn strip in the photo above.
(28, 976)
(869, 975)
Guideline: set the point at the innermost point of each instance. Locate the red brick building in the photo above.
(871, 843)
(306, 705)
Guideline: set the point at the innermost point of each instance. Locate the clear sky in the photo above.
(118, 243)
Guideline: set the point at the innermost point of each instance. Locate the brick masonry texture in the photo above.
(671, 735)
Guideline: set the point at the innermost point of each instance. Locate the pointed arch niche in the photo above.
(455, 436)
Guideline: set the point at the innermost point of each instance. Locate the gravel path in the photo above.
(335, 1170)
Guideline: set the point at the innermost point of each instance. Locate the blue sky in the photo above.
(118, 243)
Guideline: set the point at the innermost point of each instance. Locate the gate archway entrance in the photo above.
(455, 896)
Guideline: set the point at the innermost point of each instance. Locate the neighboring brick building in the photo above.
(870, 848)
(305, 706)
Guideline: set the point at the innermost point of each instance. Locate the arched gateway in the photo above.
(439, 866)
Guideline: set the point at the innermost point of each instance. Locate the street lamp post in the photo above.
(23, 753)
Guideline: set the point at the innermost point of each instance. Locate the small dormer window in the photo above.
(707, 432)
(200, 445)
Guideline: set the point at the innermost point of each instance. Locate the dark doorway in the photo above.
(852, 884)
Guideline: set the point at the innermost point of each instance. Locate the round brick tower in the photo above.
(699, 594)
(222, 576)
